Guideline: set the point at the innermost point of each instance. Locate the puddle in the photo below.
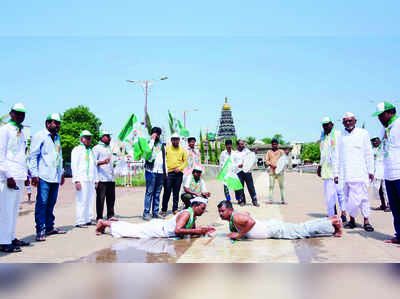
(140, 251)
(308, 250)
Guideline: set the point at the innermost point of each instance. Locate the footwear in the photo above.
(9, 248)
(18, 243)
(41, 237)
(368, 227)
(155, 216)
(163, 214)
(146, 217)
(175, 212)
(81, 226)
(242, 204)
(283, 203)
(350, 225)
(393, 241)
(256, 204)
(343, 218)
(112, 219)
(56, 232)
(387, 209)
(90, 223)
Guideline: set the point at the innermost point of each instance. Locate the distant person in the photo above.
(105, 190)
(182, 224)
(389, 119)
(271, 159)
(13, 177)
(328, 168)
(46, 166)
(28, 188)
(155, 174)
(84, 178)
(176, 163)
(228, 153)
(193, 157)
(242, 225)
(194, 186)
(379, 183)
(356, 169)
(246, 160)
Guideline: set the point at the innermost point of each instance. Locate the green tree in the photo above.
(234, 146)
(3, 119)
(221, 147)
(210, 152)
(202, 150)
(266, 140)
(75, 120)
(310, 152)
(250, 140)
(216, 154)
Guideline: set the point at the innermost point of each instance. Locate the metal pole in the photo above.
(145, 104)
(184, 118)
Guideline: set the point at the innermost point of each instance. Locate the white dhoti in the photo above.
(333, 194)
(85, 202)
(376, 185)
(277, 229)
(9, 206)
(156, 228)
(356, 197)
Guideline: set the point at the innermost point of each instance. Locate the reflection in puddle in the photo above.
(141, 251)
(308, 250)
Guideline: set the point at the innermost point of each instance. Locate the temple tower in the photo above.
(226, 127)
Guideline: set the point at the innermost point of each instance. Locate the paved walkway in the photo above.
(305, 197)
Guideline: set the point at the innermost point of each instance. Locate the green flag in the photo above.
(173, 126)
(127, 129)
(229, 177)
(182, 130)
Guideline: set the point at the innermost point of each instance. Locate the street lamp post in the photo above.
(146, 84)
(185, 112)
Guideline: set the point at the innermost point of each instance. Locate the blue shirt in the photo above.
(46, 157)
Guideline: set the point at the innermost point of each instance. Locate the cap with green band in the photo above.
(326, 120)
(104, 132)
(19, 107)
(54, 116)
(382, 107)
(85, 133)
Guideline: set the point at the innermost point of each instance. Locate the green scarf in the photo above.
(192, 219)
(19, 126)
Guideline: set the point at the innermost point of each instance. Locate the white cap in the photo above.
(200, 200)
(54, 116)
(18, 107)
(104, 132)
(85, 133)
(348, 115)
(198, 168)
(175, 135)
(326, 120)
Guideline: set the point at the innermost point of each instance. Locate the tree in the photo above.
(3, 119)
(221, 147)
(210, 152)
(75, 120)
(310, 152)
(216, 154)
(234, 145)
(202, 150)
(266, 140)
(250, 140)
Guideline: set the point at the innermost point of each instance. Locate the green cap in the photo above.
(326, 120)
(382, 107)
(18, 107)
(104, 132)
(54, 116)
(85, 133)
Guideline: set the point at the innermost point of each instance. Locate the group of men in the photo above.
(350, 161)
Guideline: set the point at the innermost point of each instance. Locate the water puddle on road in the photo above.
(309, 250)
(140, 251)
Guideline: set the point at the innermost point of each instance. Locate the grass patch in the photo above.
(132, 181)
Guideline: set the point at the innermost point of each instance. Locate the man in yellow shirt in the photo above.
(176, 163)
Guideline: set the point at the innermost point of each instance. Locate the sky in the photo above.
(283, 66)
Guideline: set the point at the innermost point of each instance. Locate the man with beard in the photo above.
(328, 168)
(193, 157)
(105, 190)
(46, 167)
(356, 169)
(389, 119)
(181, 224)
(13, 174)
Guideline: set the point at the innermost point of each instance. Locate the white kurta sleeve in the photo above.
(335, 155)
(75, 157)
(3, 152)
(368, 153)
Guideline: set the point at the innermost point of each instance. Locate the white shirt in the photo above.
(105, 172)
(330, 154)
(355, 156)
(83, 170)
(158, 161)
(188, 184)
(12, 153)
(247, 158)
(391, 152)
(378, 163)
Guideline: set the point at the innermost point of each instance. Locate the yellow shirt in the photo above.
(176, 158)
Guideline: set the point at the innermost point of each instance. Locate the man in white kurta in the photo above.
(356, 169)
(328, 168)
(378, 184)
(13, 174)
(225, 155)
(84, 177)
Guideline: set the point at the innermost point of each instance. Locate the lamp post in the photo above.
(146, 84)
(185, 112)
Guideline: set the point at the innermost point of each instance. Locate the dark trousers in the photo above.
(393, 193)
(105, 190)
(246, 177)
(186, 197)
(173, 183)
(44, 209)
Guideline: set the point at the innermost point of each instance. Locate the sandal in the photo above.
(18, 243)
(368, 227)
(41, 237)
(56, 232)
(9, 248)
(350, 225)
(393, 241)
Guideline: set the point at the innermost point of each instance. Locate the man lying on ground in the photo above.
(243, 225)
(179, 225)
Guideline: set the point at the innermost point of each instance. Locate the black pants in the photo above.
(393, 193)
(186, 197)
(105, 190)
(173, 183)
(246, 177)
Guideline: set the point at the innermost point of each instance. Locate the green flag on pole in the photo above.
(229, 177)
(182, 130)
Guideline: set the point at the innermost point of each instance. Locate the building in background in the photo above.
(226, 127)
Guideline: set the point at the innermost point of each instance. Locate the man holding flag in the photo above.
(226, 155)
